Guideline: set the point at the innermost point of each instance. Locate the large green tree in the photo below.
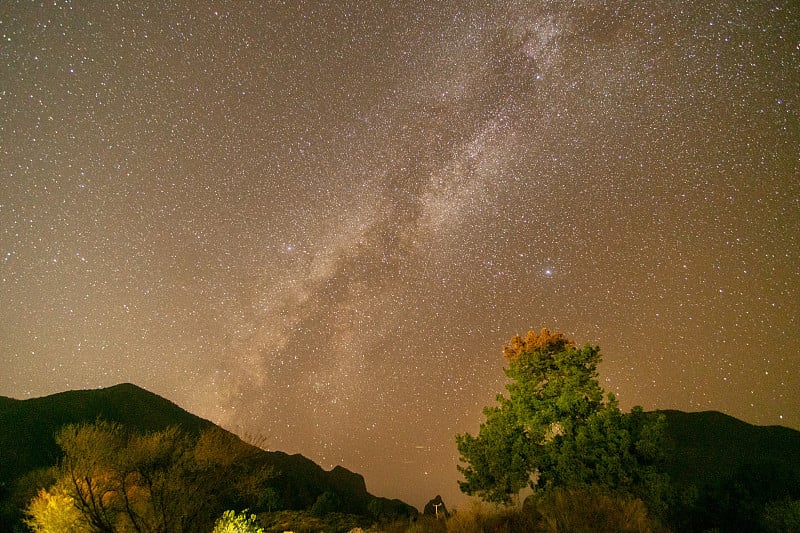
(557, 429)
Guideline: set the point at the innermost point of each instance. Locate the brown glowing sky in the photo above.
(316, 223)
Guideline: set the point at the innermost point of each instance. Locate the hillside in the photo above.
(27, 429)
(709, 445)
(726, 470)
(27, 426)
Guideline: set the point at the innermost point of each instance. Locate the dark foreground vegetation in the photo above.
(124, 459)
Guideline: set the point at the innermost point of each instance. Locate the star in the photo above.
(319, 223)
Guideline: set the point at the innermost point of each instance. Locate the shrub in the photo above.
(327, 502)
(54, 511)
(233, 522)
(480, 518)
(589, 510)
(782, 516)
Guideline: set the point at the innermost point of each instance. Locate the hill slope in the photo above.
(27, 426)
(27, 429)
(709, 445)
(726, 470)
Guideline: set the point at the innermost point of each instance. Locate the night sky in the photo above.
(317, 223)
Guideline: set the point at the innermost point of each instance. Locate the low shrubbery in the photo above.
(572, 510)
(305, 521)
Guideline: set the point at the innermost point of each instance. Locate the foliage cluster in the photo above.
(782, 515)
(590, 510)
(112, 480)
(556, 429)
(233, 522)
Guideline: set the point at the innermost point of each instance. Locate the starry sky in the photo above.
(316, 223)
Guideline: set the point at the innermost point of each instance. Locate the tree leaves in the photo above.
(556, 429)
(161, 481)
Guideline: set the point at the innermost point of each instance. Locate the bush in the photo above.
(232, 522)
(471, 520)
(54, 511)
(327, 502)
(590, 510)
(782, 516)
(480, 518)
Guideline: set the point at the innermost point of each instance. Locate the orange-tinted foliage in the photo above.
(544, 341)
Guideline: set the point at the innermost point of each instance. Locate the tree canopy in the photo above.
(113, 480)
(557, 429)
